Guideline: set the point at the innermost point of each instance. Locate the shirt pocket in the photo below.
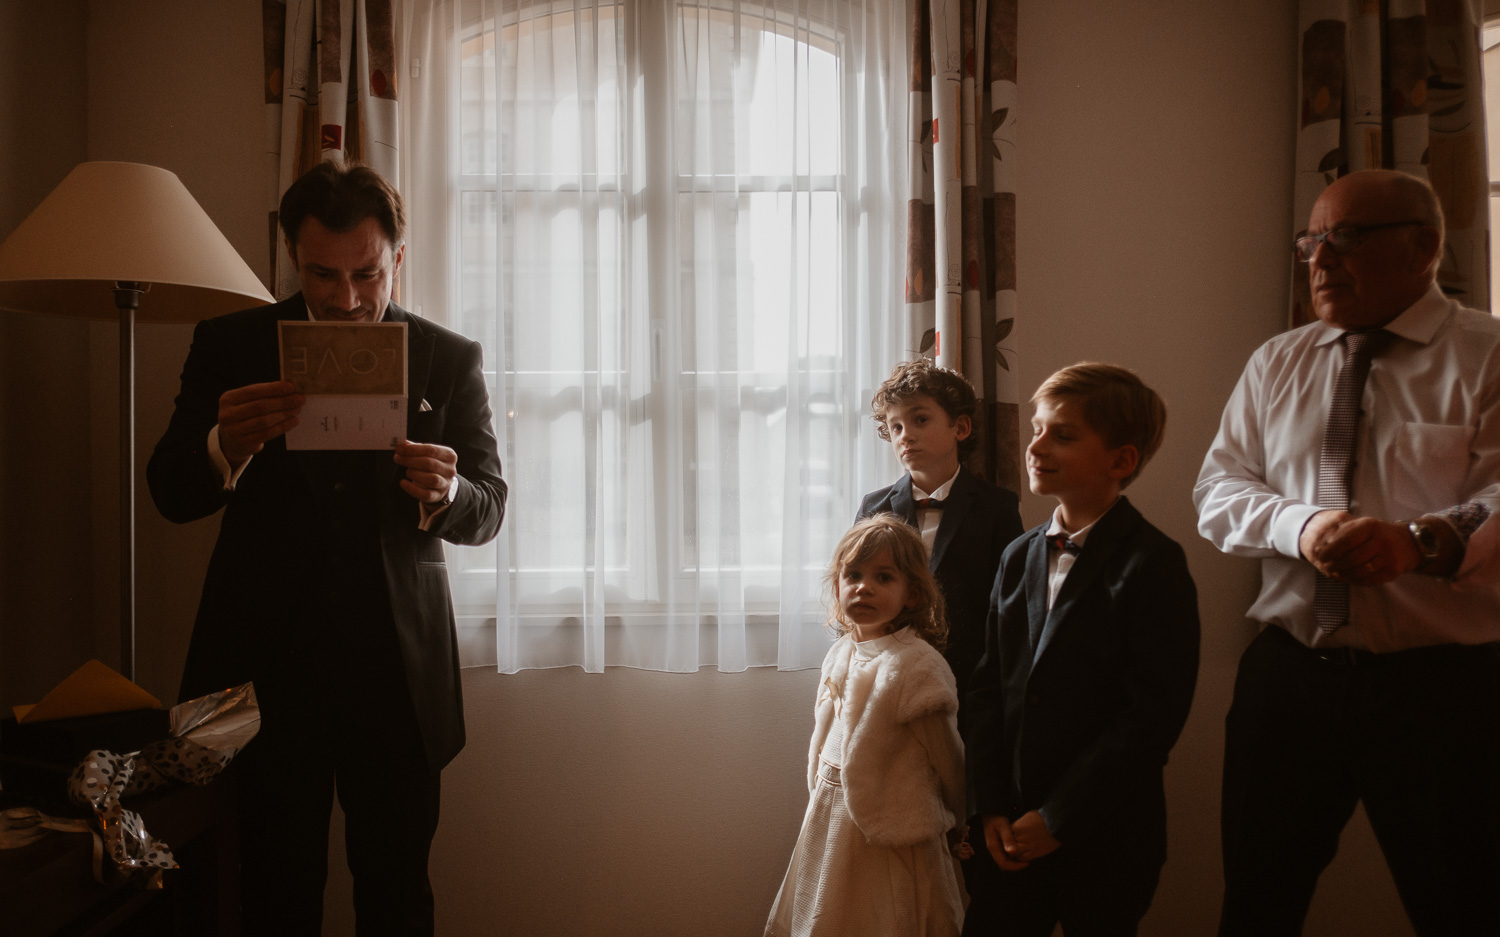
(1428, 463)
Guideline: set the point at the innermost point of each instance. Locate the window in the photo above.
(668, 238)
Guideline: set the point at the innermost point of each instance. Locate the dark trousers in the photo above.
(365, 749)
(981, 880)
(1414, 735)
(1091, 892)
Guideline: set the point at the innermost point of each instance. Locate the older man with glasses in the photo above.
(1356, 457)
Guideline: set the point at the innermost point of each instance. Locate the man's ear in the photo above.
(396, 260)
(1428, 243)
(962, 427)
(1125, 459)
(291, 251)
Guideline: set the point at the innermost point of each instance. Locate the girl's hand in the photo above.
(958, 847)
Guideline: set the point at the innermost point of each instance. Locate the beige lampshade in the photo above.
(128, 222)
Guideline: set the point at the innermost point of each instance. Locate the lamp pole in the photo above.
(127, 301)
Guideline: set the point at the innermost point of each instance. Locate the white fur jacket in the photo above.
(903, 761)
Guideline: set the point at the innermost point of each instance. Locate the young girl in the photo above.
(886, 765)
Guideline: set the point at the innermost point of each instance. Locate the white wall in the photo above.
(1155, 181)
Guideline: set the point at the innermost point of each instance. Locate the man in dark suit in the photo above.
(327, 586)
(1090, 662)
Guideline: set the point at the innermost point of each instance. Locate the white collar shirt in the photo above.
(928, 519)
(1060, 562)
(1428, 441)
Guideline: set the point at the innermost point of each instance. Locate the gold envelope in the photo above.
(91, 690)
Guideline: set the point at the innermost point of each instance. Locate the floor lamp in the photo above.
(124, 241)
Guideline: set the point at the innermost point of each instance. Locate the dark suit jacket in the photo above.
(979, 520)
(1073, 713)
(262, 591)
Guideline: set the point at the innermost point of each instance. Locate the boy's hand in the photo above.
(1032, 838)
(998, 839)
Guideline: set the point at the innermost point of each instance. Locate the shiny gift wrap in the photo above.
(100, 781)
(206, 734)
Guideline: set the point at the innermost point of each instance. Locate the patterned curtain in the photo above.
(961, 221)
(317, 106)
(1396, 85)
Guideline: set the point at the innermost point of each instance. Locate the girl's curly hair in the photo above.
(926, 618)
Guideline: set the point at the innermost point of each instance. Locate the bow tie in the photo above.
(934, 504)
(1061, 542)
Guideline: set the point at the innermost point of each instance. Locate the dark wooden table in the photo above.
(48, 887)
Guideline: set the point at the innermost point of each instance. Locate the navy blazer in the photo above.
(261, 587)
(1073, 713)
(979, 521)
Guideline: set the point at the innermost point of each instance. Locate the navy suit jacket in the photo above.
(979, 520)
(262, 591)
(1073, 713)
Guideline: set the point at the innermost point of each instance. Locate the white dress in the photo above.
(839, 884)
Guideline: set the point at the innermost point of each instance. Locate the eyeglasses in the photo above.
(1342, 239)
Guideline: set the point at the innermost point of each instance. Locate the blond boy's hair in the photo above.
(926, 618)
(1116, 404)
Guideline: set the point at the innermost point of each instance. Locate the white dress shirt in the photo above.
(1428, 440)
(1060, 562)
(928, 519)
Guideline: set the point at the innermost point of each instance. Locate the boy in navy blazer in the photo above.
(926, 413)
(1090, 661)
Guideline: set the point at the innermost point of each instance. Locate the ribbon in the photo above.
(98, 782)
(21, 826)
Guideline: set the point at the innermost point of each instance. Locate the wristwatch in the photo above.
(1425, 539)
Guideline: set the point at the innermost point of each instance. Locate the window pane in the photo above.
(560, 115)
(755, 97)
(476, 85)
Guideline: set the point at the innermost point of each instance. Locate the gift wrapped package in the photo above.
(93, 708)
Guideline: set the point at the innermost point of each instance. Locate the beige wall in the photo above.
(1155, 181)
(173, 83)
(46, 606)
(1153, 220)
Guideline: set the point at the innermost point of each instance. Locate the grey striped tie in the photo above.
(1336, 461)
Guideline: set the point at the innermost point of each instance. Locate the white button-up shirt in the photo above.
(1428, 440)
(1060, 562)
(928, 519)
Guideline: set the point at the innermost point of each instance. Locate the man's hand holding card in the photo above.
(251, 416)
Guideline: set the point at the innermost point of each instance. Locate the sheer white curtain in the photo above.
(675, 227)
